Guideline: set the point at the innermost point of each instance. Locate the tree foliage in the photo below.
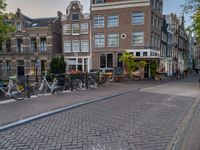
(129, 61)
(193, 6)
(5, 24)
(57, 65)
(153, 68)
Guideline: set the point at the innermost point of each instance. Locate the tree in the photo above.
(130, 62)
(193, 7)
(57, 65)
(5, 25)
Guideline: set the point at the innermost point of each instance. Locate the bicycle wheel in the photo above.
(18, 91)
(77, 84)
(105, 81)
(39, 89)
(92, 83)
(58, 89)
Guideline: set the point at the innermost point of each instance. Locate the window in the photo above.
(138, 38)
(85, 46)
(113, 40)
(33, 67)
(8, 45)
(43, 65)
(137, 53)
(98, 21)
(106, 60)
(84, 28)
(76, 46)
(71, 64)
(33, 44)
(99, 40)
(75, 29)
(113, 21)
(144, 53)
(138, 18)
(19, 45)
(8, 67)
(66, 29)
(67, 46)
(18, 26)
(75, 17)
(43, 45)
(99, 1)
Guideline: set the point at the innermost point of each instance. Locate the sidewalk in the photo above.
(18, 110)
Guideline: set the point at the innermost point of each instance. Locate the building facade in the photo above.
(76, 38)
(173, 29)
(31, 47)
(124, 25)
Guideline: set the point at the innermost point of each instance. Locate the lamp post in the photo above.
(36, 67)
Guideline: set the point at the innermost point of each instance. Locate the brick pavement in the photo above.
(137, 120)
(22, 109)
(117, 123)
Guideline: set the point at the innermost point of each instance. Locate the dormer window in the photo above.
(75, 16)
(99, 1)
(19, 26)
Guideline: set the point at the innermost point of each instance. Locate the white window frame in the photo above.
(137, 44)
(84, 28)
(116, 39)
(137, 23)
(66, 29)
(19, 26)
(102, 1)
(75, 14)
(76, 33)
(110, 22)
(99, 40)
(67, 48)
(73, 47)
(98, 25)
(106, 60)
(83, 48)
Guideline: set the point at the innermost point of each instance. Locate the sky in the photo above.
(49, 8)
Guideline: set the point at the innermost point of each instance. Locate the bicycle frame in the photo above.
(51, 87)
(8, 93)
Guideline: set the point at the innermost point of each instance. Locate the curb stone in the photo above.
(46, 114)
(183, 128)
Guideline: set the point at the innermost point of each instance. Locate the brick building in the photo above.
(31, 48)
(119, 25)
(173, 22)
(76, 38)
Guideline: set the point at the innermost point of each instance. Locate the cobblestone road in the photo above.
(137, 120)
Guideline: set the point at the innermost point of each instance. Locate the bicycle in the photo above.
(102, 79)
(40, 88)
(75, 84)
(14, 90)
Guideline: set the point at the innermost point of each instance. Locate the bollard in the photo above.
(71, 82)
(27, 87)
(86, 80)
(199, 81)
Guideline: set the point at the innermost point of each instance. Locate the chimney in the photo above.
(59, 14)
(18, 10)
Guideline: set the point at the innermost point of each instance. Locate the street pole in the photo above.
(36, 68)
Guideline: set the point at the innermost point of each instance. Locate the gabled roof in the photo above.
(37, 22)
(41, 22)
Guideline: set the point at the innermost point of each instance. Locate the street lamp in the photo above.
(36, 66)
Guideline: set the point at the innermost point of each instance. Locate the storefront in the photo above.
(78, 64)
